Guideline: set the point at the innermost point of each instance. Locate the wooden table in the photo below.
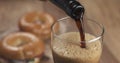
(106, 12)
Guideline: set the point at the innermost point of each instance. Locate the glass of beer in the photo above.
(65, 43)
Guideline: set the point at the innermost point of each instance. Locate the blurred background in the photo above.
(106, 12)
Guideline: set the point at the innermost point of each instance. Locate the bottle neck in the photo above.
(73, 8)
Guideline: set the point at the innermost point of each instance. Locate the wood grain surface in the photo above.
(106, 12)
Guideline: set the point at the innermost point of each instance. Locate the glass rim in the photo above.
(89, 41)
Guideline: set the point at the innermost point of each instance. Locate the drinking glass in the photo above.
(65, 42)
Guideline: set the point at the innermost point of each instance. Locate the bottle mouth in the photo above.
(97, 37)
(78, 12)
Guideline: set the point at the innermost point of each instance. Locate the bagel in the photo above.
(38, 23)
(20, 46)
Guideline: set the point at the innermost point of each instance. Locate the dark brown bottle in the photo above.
(71, 7)
(76, 11)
